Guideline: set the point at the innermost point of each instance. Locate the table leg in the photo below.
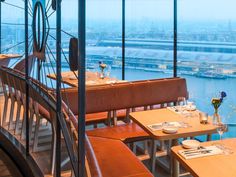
(209, 137)
(174, 166)
(175, 169)
(153, 156)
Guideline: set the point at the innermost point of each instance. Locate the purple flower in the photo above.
(223, 94)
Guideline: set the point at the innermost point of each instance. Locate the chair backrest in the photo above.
(127, 95)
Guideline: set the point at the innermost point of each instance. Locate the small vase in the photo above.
(216, 117)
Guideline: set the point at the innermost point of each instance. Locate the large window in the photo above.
(149, 39)
(207, 52)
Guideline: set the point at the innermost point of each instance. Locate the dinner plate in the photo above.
(190, 107)
(190, 144)
(110, 82)
(170, 130)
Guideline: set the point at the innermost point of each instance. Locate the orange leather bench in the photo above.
(124, 96)
(116, 160)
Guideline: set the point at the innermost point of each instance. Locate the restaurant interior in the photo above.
(79, 103)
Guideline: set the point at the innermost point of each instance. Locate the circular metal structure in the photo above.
(39, 27)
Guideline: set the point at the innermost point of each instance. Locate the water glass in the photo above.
(181, 103)
(203, 117)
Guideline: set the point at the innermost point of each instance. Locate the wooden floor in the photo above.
(7, 168)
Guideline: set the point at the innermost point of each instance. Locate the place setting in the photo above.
(194, 149)
(168, 127)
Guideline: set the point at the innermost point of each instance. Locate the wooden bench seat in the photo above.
(127, 133)
(102, 117)
(116, 160)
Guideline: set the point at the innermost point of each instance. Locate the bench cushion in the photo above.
(116, 160)
(127, 133)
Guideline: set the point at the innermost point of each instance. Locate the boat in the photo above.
(210, 75)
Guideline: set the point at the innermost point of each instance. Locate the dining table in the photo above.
(92, 78)
(218, 165)
(5, 58)
(192, 127)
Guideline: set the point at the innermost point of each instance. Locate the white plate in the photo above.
(170, 130)
(111, 82)
(190, 144)
(190, 107)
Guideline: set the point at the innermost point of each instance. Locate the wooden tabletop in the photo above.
(9, 56)
(216, 166)
(5, 58)
(92, 79)
(145, 118)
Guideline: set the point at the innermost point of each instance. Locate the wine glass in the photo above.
(181, 102)
(108, 73)
(221, 128)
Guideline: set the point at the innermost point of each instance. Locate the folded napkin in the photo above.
(201, 152)
(160, 126)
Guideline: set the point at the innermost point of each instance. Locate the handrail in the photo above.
(68, 140)
(40, 94)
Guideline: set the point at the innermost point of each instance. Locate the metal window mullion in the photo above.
(0, 26)
(26, 77)
(58, 88)
(123, 39)
(81, 86)
(175, 40)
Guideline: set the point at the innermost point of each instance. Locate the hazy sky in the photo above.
(140, 9)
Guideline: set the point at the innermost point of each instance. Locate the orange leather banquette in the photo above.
(124, 96)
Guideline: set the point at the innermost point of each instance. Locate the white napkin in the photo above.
(203, 152)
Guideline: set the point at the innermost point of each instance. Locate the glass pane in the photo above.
(104, 27)
(13, 27)
(149, 39)
(206, 52)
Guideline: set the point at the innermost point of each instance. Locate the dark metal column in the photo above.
(175, 40)
(81, 86)
(0, 26)
(39, 42)
(58, 88)
(123, 39)
(26, 77)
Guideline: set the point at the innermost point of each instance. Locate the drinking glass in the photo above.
(108, 73)
(181, 101)
(203, 117)
(221, 129)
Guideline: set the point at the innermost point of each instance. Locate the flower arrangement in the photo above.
(216, 102)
